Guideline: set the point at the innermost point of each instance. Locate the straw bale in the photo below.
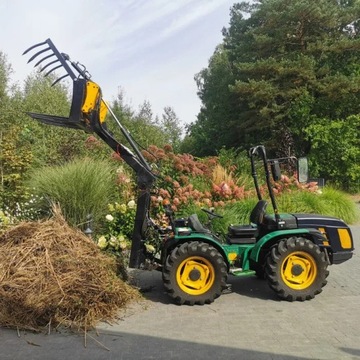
(52, 275)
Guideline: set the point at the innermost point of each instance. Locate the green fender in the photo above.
(198, 236)
(275, 234)
(206, 238)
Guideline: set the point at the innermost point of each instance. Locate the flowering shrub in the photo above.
(30, 209)
(5, 220)
(25, 211)
(209, 182)
(289, 184)
(125, 183)
(118, 228)
(184, 182)
(184, 179)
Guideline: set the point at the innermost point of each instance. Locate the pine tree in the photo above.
(284, 66)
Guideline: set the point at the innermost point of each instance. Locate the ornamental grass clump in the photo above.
(53, 275)
(327, 201)
(82, 187)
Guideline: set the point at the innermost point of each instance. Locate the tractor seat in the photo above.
(246, 234)
(258, 213)
(195, 224)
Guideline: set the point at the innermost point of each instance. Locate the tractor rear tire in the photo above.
(260, 272)
(194, 273)
(259, 266)
(296, 269)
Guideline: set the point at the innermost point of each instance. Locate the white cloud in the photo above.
(198, 10)
(151, 48)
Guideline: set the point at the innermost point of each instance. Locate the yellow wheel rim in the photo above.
(298, 270)
(195, 275)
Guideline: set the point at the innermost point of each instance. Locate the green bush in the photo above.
(335, 151)
(328, 201)
(340, 205)
(80, 187)
(301, 202)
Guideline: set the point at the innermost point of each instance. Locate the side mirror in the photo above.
(275, 170)
(303, 170)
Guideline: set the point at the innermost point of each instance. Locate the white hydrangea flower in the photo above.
(122, 245)
(102, 242)
(109, 217)
(113, 241)
(149, 248)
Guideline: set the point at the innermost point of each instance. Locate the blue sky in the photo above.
(150, 48)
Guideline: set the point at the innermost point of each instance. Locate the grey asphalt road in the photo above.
(248, 323)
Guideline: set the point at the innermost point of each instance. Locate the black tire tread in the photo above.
(272, 269)
(177, 256)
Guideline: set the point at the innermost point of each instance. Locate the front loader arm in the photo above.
(88, 112)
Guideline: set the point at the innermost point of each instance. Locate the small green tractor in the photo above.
(291, 251)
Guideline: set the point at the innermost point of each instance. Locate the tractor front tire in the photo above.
(296, 269)
(194, 273)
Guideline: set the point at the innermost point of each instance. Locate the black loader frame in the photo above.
(87, 113)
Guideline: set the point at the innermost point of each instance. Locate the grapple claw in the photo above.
(59, 79)
(38, 53)
(53, 69)
(34, 46)
(41, 60)
(47, 65)
(62, 58)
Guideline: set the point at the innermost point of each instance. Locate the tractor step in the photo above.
(241, 272)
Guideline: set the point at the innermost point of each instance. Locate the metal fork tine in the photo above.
(62, 58)
(53, 69)
(41, 60)
(34, 46)
(38, 53)
(59, 79)
(50, 63)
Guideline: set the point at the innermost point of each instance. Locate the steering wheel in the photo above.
(210, 213)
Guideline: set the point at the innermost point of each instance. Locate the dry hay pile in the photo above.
(52, 275)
